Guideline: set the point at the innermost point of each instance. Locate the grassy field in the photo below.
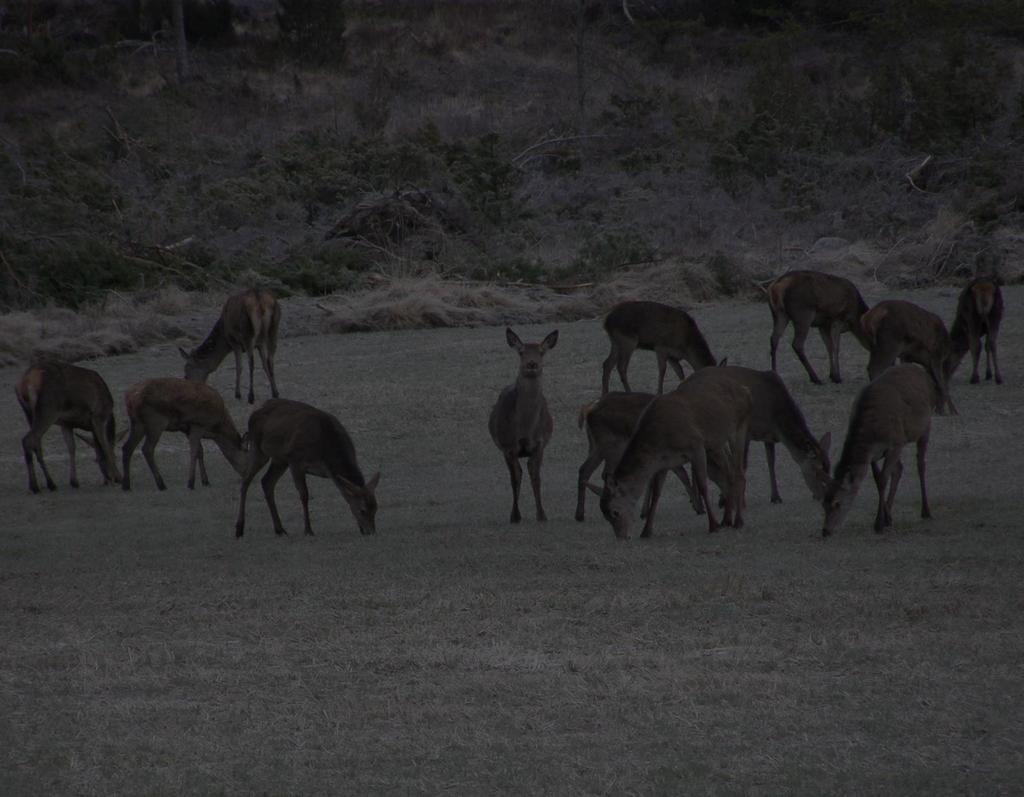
(145, 650)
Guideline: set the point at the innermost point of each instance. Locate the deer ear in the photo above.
(723, 362)
(594, 488)
(513, 340)
(374, 481)
(550, 341)
(183, 353)
(825, 442)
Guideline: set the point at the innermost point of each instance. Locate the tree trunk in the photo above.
(180, 44)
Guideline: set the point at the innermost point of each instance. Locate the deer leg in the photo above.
(975, 358)
(769, 454)
(255, 464)
(607, 366)
(662, 366)
(700, 479)
(238, 373)
(990, 351)
(651, 501)
(148, 449)
(515, 471)
(779, 324)
(878, 475)
(533, 466)
(69, 441)
(268, 369)
(202, 466)
(32, 445)
(299, 477)
(691, 490)
(737, 478)
(268, 482)
(586, 471)
(134, 436)
(252, 366)
(830, 337)
(625, 351)
(799, 338)
(195, 454)
(922, 449)
(677, 366)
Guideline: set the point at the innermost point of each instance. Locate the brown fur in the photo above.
(708, 414)
(520, 423)
(294, 436)
(610, 422)
(669, 332)
(979, 313)
(248, 321)
(901, 330)
(73, 398)
(830, 304)
(891, 412)
(177, 405)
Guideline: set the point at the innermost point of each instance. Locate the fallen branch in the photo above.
(551, 141)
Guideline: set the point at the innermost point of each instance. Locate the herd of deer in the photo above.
(707, 422)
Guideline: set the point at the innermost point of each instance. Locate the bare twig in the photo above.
(916, 172)
(551, 141)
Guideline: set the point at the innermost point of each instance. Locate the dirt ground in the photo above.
(144, 649)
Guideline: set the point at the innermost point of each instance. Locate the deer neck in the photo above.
(231, 447)
(212, 351)
(529, 398)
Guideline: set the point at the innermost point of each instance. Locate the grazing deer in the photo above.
(308, 441)
(891, 412)
(73, 398)
(899, 329)
(776, 418)
(177, 405)
(520, 424)
(668, 331)
(707, 416)
(610, 423)
(248, 321)
(979, 312)
(831, 304)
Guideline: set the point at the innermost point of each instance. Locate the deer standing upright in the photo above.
(520, 423)
(831, 304)
(73, 398)
(669, 332)
(248, 321)
(305, 440)
(890, 413)
(167, 404)
(979, 311)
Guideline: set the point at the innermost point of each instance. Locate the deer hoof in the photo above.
(776, 499)
(74, 483)
(975, 379)
(579, 517)
(51, 486)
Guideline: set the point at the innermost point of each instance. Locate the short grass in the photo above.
(144, 650)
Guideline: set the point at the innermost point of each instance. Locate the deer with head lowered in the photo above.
(609, 423)
(831, 304)
(177, 405)
(891, 412)
(708, 416)
(307, 441)
(73, 398)
(979, 311)
(669, 332)
(248, 321)
(901, 330)
(776, 418)
(520, 423)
